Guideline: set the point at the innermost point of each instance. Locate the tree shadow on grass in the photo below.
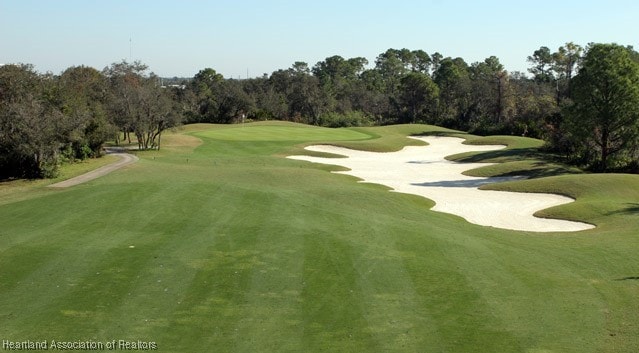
(443, 134)
(475, 157)
(514, 154)
(630, 209)
(543, 163)
(540, 169)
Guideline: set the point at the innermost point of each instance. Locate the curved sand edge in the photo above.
(424, 171)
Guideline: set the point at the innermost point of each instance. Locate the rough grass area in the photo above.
(15, 190)
(216, 243)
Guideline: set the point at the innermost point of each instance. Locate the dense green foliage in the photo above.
(482, 97)
(46, 119)
(218, 244)
(583, 103)
(605, 115)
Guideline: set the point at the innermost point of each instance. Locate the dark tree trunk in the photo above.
(605, 151)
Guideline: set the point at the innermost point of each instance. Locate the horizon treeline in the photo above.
(584, 102)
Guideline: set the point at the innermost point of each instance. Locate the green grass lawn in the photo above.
(216, 243)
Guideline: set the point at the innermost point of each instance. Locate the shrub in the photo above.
(348, 119)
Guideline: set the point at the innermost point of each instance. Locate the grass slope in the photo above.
(217, 243)
(521, 157)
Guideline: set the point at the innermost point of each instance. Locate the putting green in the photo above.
(224, 245)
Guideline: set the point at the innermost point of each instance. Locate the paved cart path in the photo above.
(125, 159)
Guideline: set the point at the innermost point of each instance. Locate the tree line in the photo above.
(584, 102)
(47, 119)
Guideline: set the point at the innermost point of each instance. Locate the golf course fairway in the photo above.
(219, 243)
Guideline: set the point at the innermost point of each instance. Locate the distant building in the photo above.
(174, 86)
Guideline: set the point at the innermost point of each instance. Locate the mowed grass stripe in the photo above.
(238, 249)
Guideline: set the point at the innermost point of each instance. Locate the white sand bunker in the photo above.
(422, 170)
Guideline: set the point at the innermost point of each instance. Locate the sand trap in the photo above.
(422, 170)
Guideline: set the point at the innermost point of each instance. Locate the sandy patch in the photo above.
(422, 170)
(180, 140)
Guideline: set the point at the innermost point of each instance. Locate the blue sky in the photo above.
(178, 38)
